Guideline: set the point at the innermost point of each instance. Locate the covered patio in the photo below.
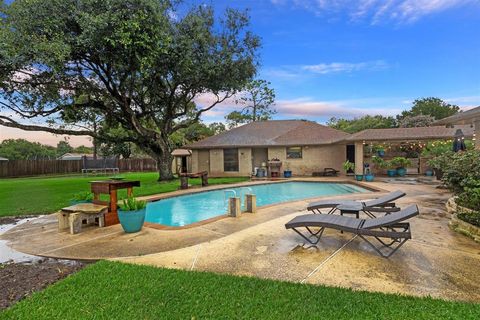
(402, 142)
(469, 118)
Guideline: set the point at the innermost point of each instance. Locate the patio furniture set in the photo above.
(99, 212)
(390, 231)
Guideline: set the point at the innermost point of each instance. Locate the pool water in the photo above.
(191, 208)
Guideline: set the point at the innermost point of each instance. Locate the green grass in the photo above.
(40, 195)
(112, 290)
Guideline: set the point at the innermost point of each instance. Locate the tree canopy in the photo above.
(256, 101)
(434, 107)
(361, 123)
(134, 64)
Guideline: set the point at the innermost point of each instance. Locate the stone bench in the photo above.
(72, 217)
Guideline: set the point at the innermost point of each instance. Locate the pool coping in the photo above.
(167, 195)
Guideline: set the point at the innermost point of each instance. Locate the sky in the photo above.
(347, 58)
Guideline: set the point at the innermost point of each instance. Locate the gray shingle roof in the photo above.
(419, 133)
(462, 117)
(273, 133)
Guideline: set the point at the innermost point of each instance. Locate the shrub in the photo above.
(461, 171)
(470, 198)
(470, 217)
(400, 162)
(347, 166)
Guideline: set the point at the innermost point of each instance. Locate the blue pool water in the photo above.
(190, 208)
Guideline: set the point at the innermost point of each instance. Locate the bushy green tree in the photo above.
(434, 107)
(361, 123)
(21, 149)
(416, 121)
(137, 64)
(63, 147)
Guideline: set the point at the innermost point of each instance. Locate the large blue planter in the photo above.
(401, 172)
(359, 177)
(391, 172)
(132, 221)
(369, 177)
(287, 173)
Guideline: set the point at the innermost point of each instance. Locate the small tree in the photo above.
(256, 99)
(416, 121)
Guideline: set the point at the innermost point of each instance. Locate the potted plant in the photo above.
(400, 163)
(369, 177)
(348, 166)
(132, 214)
(439, 163)
(81, 197)
(287, 173)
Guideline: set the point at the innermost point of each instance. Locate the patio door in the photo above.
(204, 160)
(259, 155)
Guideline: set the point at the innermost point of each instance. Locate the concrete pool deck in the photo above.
(437, 262)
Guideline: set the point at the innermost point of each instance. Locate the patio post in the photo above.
(358, 157)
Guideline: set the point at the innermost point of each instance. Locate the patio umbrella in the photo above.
(459, 141)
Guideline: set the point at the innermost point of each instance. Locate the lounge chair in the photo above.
(352, 206)
(388, 230)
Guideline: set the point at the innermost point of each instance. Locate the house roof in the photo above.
(418, 133)
(181, 152)
(273, 133)
(3, 159)
(464, 117)
(75, 155)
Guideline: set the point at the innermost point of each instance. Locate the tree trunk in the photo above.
(164, 166)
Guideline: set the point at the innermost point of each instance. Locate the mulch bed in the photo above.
(19, 280)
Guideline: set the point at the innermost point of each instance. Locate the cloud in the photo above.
(309, 108)
(376, 11)
(342, 67)
(42, 137)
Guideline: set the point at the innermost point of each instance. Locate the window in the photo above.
(294, 153)
(230, 160)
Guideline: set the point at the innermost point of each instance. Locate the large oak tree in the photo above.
(134, 64)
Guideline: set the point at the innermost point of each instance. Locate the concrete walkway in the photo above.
(437, 262)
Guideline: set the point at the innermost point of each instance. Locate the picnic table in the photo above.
(110, 187)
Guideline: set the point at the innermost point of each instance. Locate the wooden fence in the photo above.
(22, 168)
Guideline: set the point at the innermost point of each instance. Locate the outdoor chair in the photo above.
(346, 206)
(389, 231)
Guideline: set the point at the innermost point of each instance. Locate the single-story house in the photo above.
(302, 146)
(74, 156)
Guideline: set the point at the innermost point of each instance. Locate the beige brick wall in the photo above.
(194, 164)
(314, 158)
(244, 159)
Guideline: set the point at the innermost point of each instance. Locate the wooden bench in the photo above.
(184, 178)
(72, 217)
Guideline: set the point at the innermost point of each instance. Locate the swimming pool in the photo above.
(190, 208)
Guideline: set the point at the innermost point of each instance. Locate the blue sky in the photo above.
(347, 58)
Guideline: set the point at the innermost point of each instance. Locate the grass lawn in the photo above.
(39, 195)
(112, 290)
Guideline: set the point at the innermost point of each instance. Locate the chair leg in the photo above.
(390, 250)
(317, 235)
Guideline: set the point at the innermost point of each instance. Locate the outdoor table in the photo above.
(110, 187)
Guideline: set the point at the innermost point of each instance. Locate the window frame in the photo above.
(293, 158)
(226, 164)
